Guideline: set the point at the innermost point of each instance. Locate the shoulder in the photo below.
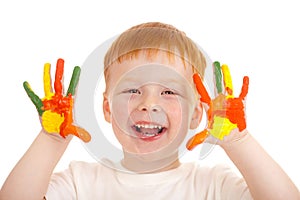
(217, 174)
(81, 180)
(212, 176)
(77, 171)
(222, 180)
(81, 165)
(207, 171)
(203, 175)
(87, 169)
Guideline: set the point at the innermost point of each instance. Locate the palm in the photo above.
(55, 109)
(225, 112)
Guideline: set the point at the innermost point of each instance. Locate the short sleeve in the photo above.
(228, 185)
(61, 186)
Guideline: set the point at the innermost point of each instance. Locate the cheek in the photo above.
(180, 115)
(177, 113)
(119, 108)
(174, 110)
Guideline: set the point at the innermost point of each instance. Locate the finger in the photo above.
(83, 134)
(227, 80)
(58, 76)
(34, 98)
(201, 89)
(74, 81)
(241, 124)
(244, 90)
(197, 139)
(77, 131)
(218, 77)
(47, 81)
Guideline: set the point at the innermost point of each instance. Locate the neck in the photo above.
(143, 164)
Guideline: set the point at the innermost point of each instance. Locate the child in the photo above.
(151, 103)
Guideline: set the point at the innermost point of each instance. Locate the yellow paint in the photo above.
(227, 79)
(221, 127)
(47, 81)
(52, 121)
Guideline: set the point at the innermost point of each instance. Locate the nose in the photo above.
(149, 99)
(149, 108)
(149, 103)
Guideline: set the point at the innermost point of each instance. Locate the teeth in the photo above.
(148, 126)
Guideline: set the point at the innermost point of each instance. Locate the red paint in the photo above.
(58, 76)
(231, 108)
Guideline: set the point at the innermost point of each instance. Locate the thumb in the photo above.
(77, 131)
(197, 139)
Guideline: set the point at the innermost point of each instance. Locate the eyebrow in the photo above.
(171, 80)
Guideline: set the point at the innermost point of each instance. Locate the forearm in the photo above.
(264, 177)
(30, 177)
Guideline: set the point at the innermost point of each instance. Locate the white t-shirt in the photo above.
(84, 181)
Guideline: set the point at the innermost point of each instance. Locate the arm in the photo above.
(227, 123)
(30, 177)
(264, 177)
(32, 173)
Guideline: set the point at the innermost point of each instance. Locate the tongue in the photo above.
(149, 130)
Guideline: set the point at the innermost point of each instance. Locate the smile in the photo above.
(148, 132)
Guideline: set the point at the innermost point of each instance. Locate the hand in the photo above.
(225, 112)
(55, 109)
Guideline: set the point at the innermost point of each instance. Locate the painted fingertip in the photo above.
(227, 79)
(205, 98)
(58, 87)
(74, 81)
(83, 134)
(196, 140)
(47, 81)
(34, 98)
(246, 80)
(218, 77)
(217, 63)
(25, 84)
(60, 60)
(244, 90)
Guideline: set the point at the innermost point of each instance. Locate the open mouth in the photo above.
(149, 131)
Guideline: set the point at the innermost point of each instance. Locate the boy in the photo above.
(151, 103)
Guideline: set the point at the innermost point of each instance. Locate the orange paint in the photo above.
(56, 105)
(201, 89)
(197, 139)
(225, 112)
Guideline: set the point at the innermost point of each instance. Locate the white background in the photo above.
(255, 38)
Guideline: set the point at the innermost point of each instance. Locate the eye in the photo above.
(168, 92)
(133, 91)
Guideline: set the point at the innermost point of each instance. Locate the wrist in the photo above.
(234, 139)
(56, 137)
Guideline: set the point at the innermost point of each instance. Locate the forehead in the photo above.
(156, 66)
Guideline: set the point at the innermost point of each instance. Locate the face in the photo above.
(151, 104)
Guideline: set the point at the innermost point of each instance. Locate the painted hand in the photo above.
(55, 109)
(225, 112)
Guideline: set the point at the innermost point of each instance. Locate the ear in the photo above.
(197, 115)
(106, 108)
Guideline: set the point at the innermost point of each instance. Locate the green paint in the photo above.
(218, 76)
(34, 98)
(74, 80)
